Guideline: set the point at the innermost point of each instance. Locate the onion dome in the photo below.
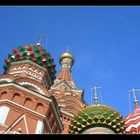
(35, 54)
(97, 116)
(132, 121)
(67, 54)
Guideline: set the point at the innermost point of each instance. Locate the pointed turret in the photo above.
(66, 60)
(68, 96)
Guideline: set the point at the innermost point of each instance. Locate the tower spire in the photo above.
(41, 37)
(39, 41)
(95, 94)
(66, 60)
(134, 94)
(67, 48)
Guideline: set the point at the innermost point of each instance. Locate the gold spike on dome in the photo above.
(117, 129)
(136, 102)
(83, 126)
(79, 129)
(78, 123)
(88, 124)
(110, 124)
(67, 54)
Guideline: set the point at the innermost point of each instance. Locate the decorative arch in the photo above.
(16, 98)
(6, 78)
(32, 85)
(3, 95)
(39, 108)
(28, 103)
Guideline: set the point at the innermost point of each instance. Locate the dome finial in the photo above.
(39, 41)
(95, 94)
(134, 94)
(68, 48)
(41, 37)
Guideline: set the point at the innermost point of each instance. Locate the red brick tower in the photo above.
(25, 103)
(68, 96)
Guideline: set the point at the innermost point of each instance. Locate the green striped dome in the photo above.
(35, 54)
(97, 115)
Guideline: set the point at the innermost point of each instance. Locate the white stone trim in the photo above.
(18, 120)
(23, 107)
(4, 110)
(28, 72)
(39, 127)
(27, 90)
(35, 86)
(6, 79)
(67, 93)
(38, 95)
(28, 61)
(29, 110)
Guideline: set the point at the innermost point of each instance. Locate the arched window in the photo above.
(4, 95)
(28, 103)
(4, 110)
(16, 98)
(40, 108)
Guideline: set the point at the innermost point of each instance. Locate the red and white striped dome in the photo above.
(132, 122)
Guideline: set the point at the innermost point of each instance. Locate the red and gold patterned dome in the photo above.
(34, 53)
(132, 121)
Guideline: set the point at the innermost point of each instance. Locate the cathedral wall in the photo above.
(24, 104)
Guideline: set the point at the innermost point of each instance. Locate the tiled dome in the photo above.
(35, 54)
(97, 115)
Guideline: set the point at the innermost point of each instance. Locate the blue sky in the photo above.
(104, 40)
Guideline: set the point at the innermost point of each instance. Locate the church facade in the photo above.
(34, 101)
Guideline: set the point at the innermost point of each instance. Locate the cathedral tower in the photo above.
(68, 96)
(25, 104)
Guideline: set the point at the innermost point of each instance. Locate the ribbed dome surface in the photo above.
(35, 54)
(97, 115)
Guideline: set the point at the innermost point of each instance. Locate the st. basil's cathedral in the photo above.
(33, 100)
